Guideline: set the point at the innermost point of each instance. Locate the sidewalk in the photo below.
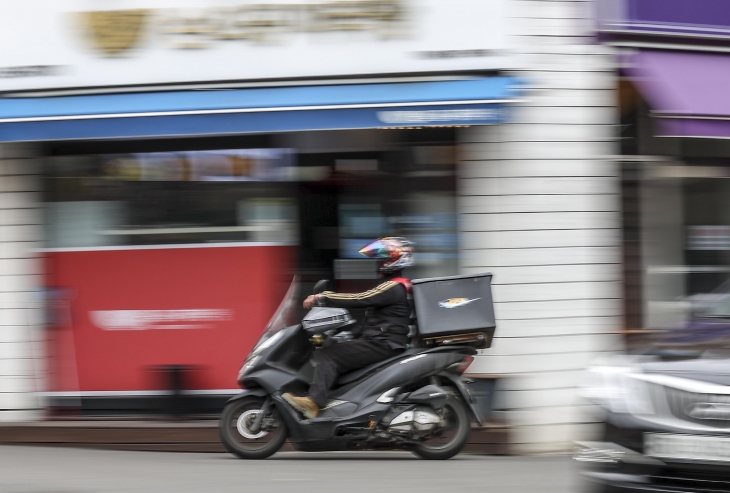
(199, 435)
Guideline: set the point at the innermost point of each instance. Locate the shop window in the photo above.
(330, 200)
(171, 197)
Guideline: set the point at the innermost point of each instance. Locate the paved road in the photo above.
(60, 470)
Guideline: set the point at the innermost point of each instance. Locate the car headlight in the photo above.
(615, 389)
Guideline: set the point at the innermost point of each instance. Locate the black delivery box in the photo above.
(455, 309)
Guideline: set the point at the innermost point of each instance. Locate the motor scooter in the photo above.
(415, 401)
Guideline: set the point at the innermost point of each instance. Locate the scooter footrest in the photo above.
(320, 420)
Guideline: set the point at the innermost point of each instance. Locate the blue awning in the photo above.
(258, 110)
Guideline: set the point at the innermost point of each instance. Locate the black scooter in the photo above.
(415, 401)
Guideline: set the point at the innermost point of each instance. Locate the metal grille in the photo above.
(680, 403)
(693, 480)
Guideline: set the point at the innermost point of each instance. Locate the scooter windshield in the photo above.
(284, 316)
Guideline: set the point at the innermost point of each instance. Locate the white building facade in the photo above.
(539, 206)
(22, 349)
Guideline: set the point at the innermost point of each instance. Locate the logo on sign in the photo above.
(436, 116)
(456, 302)
(158, 319)
(115, 31)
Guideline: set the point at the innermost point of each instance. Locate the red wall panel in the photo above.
(129, 311)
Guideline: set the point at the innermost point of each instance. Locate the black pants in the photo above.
(333, 360)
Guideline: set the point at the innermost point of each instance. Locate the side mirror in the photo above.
(322, 285)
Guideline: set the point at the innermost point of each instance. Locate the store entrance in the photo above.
(371, 184)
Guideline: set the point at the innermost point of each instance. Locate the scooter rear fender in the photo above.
(461, 388)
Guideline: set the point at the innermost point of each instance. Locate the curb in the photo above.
(186, 436)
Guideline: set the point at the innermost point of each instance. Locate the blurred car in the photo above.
(701, 303)
(667, 424)
(709, 327)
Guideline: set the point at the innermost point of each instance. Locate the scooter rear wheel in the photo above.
(240, 440)
(457, 428)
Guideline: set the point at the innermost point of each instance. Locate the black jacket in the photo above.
(387, 315)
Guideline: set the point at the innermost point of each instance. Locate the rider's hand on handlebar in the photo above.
(310, 301)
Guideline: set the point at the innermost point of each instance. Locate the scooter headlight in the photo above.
(250, 363)
(255, 354)
(266, 344)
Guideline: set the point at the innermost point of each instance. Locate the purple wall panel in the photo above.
(685, 12)
(689, 17)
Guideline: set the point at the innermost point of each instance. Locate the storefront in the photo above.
(182, 192)
(178, 258)
(674, 62)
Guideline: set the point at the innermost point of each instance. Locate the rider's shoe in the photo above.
(304, 405)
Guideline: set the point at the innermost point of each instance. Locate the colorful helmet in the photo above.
(398, 253)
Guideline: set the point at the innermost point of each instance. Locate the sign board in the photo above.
(130, 311)
(52, 44)
(708, 238)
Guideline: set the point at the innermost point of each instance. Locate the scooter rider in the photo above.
(382, 335)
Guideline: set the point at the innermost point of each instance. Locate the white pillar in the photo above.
(22, 357)
(539, 202)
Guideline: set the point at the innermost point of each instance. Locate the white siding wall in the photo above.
(539, 203)
(22, 354)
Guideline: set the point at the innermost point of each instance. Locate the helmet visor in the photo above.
(376, 249)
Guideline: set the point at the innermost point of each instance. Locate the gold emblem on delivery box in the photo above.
(115, 31)
(456, 302)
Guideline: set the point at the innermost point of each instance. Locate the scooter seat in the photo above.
(354, 375)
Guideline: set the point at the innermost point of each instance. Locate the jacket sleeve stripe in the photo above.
(360, 296)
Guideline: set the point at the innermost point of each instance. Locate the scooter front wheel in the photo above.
(238, 437)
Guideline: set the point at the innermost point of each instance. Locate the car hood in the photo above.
(715, 371)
